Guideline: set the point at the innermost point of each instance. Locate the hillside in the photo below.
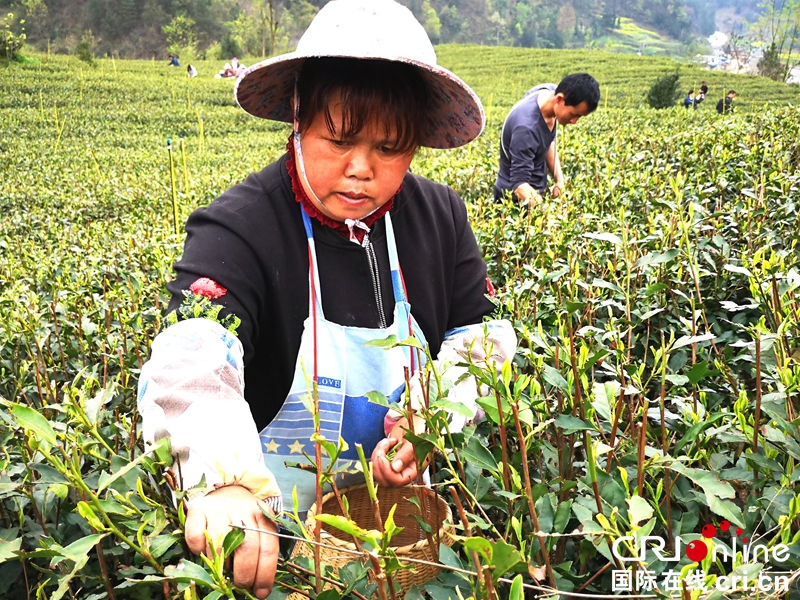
(629, 38)
(223, 28)
(502, 75)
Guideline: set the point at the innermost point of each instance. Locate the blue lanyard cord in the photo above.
(398, 287)
(394, 262)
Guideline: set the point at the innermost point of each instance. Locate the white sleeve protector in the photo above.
(192, 391)
(486, 345)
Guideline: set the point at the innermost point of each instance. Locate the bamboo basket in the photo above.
(412, 542)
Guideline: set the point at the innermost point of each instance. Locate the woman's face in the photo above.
(354, 176)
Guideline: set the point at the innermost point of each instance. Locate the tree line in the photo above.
(156, 28)
(221, 29)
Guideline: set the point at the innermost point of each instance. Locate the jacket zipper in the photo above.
(376, 280)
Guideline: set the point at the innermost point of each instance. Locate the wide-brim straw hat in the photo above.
(367, 29)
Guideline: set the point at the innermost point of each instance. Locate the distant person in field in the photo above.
(226, 71)
(528, 138)
(691, 101)
(290, 272)
(237, 68)
(703, 90)
(725, 105)
(173, 61)
(191, 71)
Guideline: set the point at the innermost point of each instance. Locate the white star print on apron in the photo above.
(345, 370)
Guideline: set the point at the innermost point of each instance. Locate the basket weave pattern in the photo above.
(411, 542)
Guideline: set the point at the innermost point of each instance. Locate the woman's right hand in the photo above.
(397, 470)
(256, 558)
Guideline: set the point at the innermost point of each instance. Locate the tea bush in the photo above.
(655, 390)
(10, 41)
(664, 91)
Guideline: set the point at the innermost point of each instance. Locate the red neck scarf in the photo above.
(313, 212)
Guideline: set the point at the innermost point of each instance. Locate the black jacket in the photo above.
(251, 241)
(725, 105)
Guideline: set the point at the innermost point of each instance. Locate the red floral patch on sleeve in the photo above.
(208, 288)
(490, 288)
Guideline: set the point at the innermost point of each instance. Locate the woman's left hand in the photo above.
(397, 471)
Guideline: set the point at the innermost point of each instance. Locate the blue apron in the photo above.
(345, 370)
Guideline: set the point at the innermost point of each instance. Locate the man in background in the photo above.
(528, 138)
(691, 101)
(725, 105)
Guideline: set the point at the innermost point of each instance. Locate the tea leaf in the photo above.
(572, 424)
(505, 558)
(386, 343)
(8, 549)
(233, 539)
(31, 420)
(711, 484)
(189, 572)
(606, 237)
(737, 269)
(639, 510)
(481, 545)
(80, 548)
(377, 398)
(478, 454)
(554, 378)
(87, 513)
(688, 340)
(343, 524)
(725, 509)
(516, 592)
(698, 372)
(98, 401)
(695, 430)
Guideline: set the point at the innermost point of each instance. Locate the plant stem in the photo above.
(174, 190)
(588, 582)
(662, 409)
(468, 532)
(104, 570)
(503, 445)
(318, 463)
(523, 446)
(641, 456)
(77, 479)
(295, 567)
(757, 416)
(185, 168)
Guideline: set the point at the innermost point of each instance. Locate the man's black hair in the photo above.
(690, 92)
(731, 92)
(580, 87)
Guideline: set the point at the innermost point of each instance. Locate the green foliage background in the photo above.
(656, 384)
(145, 28)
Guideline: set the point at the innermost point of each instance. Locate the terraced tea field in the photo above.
(656, 385)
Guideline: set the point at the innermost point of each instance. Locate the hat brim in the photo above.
(454, 118)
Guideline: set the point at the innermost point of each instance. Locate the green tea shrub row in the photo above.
(655, 389)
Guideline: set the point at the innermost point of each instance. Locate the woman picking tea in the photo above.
(285, 277)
